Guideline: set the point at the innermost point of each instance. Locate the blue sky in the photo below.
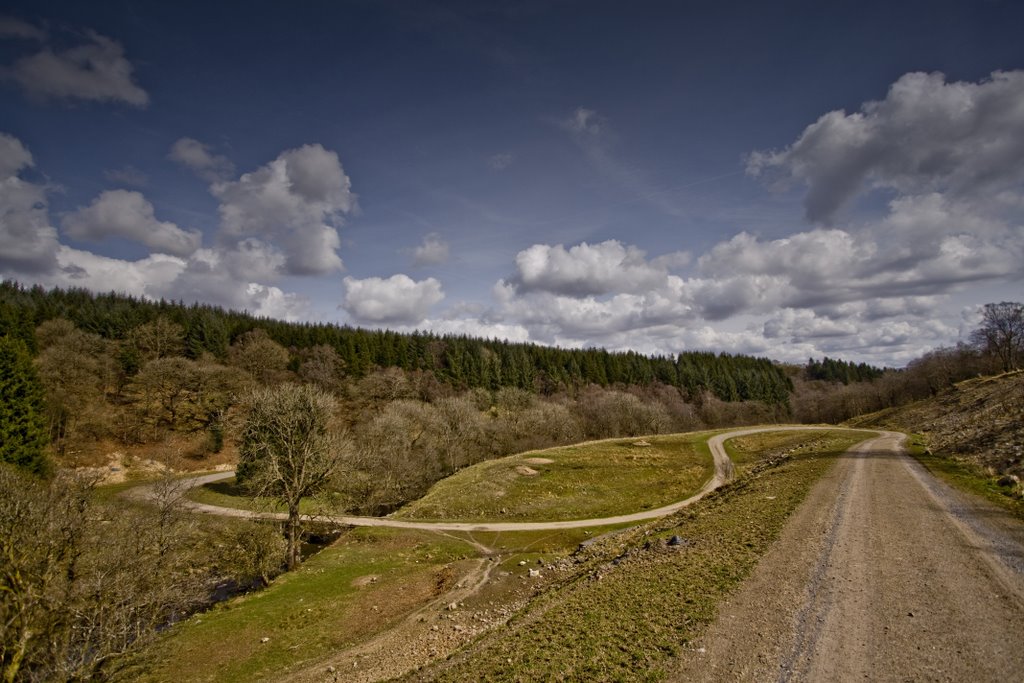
(786, 179)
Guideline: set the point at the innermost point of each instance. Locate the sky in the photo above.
(784, 179)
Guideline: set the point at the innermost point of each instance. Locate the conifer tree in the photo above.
(22, 413)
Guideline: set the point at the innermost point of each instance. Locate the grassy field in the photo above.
(592, 480)
(619, 606)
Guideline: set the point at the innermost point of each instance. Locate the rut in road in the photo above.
(884, 573)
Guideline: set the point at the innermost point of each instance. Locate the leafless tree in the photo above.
(289, 451)
(81, 584)
(1002, 333)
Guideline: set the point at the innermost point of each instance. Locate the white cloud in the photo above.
(587, 270)
(201, 277)
(925, 136)
(28, 243)
(294, 203)
(150, 277)
(472, 327)
(196, 156)
(433, 251)
(396, 300)
(124, 213)
(96, 70)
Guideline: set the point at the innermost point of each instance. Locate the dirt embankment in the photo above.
(979, 420)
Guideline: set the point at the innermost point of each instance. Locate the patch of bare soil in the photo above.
(525, 471)
(884, 573)
(363, 581)
(430, 633)
(538, 461)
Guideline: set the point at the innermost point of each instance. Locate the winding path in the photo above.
(724, 472)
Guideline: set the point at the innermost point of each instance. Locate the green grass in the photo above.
(227, 493)
(632, 603)
(964, 476)
(746, 451)
(306, 614)
(591, 480)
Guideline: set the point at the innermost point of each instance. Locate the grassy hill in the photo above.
(972, 433)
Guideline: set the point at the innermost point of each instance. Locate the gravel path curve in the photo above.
(723, 473)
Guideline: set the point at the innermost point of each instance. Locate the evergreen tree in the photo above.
(22, 413)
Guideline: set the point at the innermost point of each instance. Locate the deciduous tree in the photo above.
(1002, 333)
(289, 451)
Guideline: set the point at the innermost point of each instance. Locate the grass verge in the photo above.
(965, 476)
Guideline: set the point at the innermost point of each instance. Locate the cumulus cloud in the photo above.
(95, 70)
(200, 277)
(433, 251)
(396, 300)
(127, 214)
(296, 202)
(196, 156)
(927, 135)
(587, 270)
(28, 243)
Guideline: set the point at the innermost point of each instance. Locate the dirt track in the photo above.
(884, 573)
(723, 473)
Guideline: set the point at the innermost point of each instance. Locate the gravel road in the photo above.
(883, 574)
(723, 473)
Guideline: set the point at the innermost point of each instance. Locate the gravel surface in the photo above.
(884, 573)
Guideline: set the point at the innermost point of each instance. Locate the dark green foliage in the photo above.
(459, 361)
(833, 370)
(22, 413)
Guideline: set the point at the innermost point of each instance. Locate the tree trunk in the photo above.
(294, 536)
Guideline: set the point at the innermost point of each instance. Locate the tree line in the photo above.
(460, 361)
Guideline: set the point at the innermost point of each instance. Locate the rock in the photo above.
(534, 573)
(1008, 480)
(675, 540)
(522, 563)
(452, 606)
(264, 639)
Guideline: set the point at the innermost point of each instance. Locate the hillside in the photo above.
(978, 421)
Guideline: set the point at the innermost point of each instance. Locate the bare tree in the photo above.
(289, 451)
(1002, 333)
(82, 585)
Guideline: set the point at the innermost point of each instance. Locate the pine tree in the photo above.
(22, 413)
